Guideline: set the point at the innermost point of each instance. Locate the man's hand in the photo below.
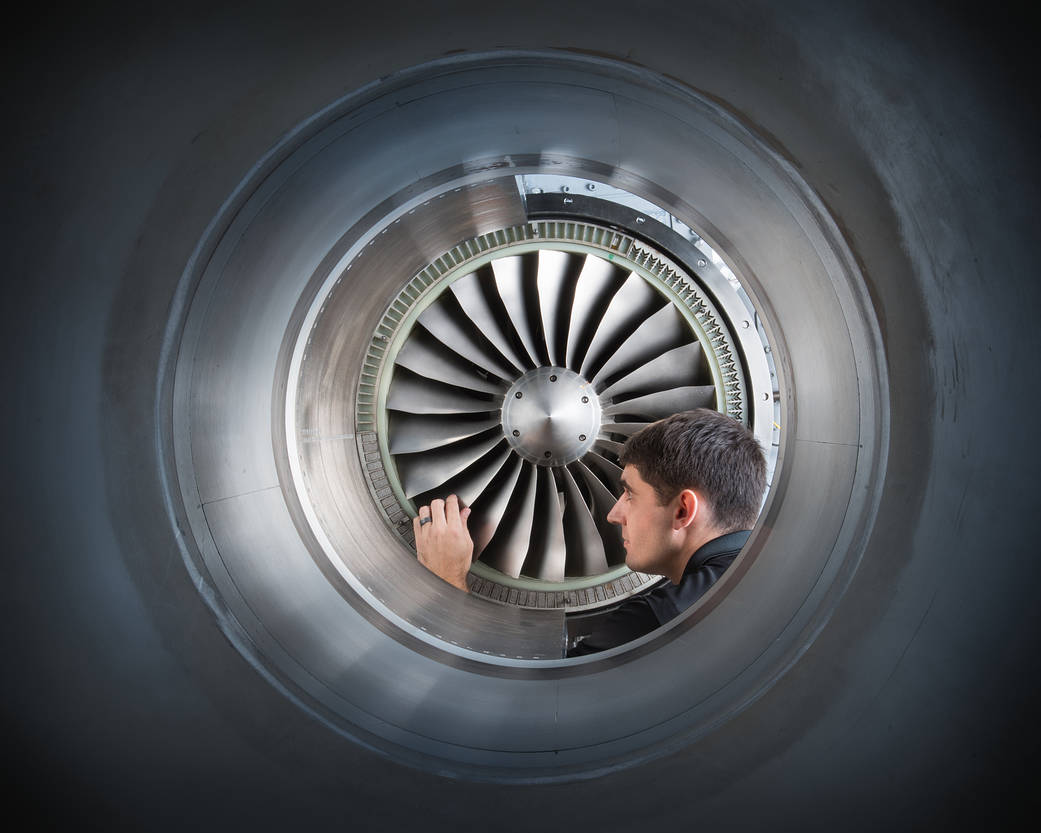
(443, 543)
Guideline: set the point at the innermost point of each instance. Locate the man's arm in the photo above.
(443, 542)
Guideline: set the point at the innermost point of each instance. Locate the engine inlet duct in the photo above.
(355, 335)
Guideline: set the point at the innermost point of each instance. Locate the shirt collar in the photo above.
(729, 543)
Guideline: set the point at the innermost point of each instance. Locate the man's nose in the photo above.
(615, 515)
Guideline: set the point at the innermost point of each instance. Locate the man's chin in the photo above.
(637, 566)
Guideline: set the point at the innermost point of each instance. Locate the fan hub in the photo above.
(551, 416)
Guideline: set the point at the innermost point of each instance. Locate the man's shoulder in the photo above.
(724, 548)
(703, 570)
(641, 614)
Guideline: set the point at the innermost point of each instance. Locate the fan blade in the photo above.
(470, 484)
(426, 356)
(553, 285)
(630, 306)
(429, 469)
(508, 550)
(594, 459)
(416, 395)
(446, 329)
(548, 550)
(664, 330)
(488, 509)
(509, 280)
(678, 367)
(626, 429)
(407, 433)
(665, 403)
(585, 547)
(593, 292)
(603, 502)
(468, 292)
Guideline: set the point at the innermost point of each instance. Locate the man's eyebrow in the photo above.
(625, 483)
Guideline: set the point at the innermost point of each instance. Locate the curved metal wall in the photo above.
(127, 699)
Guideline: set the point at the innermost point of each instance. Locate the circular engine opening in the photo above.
(324, 305)
(511, 369)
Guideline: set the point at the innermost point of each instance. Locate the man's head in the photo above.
(709, 452)
(688, 478)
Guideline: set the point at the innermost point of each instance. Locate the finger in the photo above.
(437, 513)
(452, 510)
(423, 520)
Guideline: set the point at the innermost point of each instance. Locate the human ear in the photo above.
(687, 505)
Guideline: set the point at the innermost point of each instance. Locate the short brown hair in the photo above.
(709, 452)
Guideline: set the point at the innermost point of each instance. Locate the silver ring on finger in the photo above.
(425, 520)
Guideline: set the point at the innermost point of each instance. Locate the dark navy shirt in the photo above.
(643, 613)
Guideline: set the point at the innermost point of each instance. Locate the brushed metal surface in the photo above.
(738, 185)
(363, 550)
(551, 416)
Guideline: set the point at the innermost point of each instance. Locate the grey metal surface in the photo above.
(551, 416)
(832, 388)
(136, 695)
(294, 233)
